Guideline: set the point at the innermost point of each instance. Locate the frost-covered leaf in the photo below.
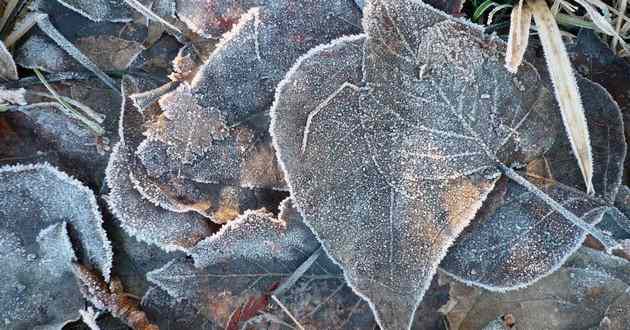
(251, 256)
(41, 210)
(241, 74)
(597, 62)
(230, 94)
(578, 296)
(388, 175)
(509, 244)
(8, 70)
(215, 17)
(138, 216)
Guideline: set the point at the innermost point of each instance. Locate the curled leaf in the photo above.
(138, 216)
(41, 210)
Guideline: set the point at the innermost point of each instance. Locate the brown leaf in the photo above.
(111, 298)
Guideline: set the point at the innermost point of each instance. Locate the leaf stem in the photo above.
(609, 243)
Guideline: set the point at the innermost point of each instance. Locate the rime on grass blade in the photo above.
(565, 87)
(46, 26)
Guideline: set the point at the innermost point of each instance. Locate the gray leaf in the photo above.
(40, 210)
(138, 216)
(248, 258)
(406, 161)
(509, 244)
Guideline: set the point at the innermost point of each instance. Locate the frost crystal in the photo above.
(40, 210)
(390, 144)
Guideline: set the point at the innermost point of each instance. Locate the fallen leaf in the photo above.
(405, 177)
(8, 70)
(45, 216)
(587, 289)
(515, 239)
(252, 255)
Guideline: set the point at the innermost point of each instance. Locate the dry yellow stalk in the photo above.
(565, 88)
(520, 22)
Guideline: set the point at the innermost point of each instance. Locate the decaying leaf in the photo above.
(138, 216)
(515, 239)
(111, 297)
(41, 210)
(587, 290)
(251, 256)
(407, 160)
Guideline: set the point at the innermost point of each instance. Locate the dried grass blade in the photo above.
(8, 10)
(23, 27)
(95, 127)
(46, 26)
(520, 23)
(565, 88)
(622, 9)
(600, 21)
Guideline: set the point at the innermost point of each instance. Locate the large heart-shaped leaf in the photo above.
(515, 238)
(44, 216)
(388, 174)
